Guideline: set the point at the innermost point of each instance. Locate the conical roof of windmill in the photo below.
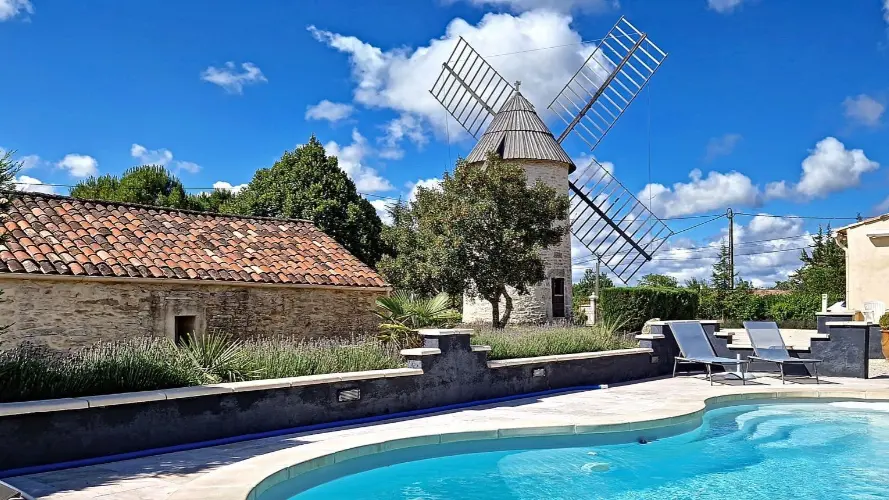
(518, 133)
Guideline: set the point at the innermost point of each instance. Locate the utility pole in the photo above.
(597, 277)
(731, 247)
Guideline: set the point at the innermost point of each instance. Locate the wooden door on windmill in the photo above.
(558, 286)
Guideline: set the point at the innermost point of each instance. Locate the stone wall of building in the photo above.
(72, 313)
(535, 307)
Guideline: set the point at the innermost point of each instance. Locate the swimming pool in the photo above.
(813, 451)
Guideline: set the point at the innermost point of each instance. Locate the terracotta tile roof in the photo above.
(56, 235)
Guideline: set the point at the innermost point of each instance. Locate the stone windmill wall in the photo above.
(518, 135)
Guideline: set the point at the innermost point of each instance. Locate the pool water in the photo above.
(802, 451)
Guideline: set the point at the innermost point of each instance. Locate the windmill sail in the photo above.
(470, 89)
(605, 216)
(605, 85)
(612, 223)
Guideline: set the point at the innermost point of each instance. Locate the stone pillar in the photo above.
(665, 348)
(845, 354)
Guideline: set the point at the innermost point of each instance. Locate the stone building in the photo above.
(74, 272)
(517, 133)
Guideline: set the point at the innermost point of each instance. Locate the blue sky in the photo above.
(752, 91)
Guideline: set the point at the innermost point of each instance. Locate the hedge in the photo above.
(636, 305)
(742, 305)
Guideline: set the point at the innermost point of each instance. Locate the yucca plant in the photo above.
(219, 358)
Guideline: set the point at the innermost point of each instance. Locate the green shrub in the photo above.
(884, 321)
(636, 305)
(530, 342)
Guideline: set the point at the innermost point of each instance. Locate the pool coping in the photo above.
(250, 478)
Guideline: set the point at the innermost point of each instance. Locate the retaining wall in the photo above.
(448, 370)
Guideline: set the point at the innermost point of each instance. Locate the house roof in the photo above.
(56, 235)
(517, 133)
(864, 222)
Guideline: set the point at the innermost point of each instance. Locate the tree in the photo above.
(410, 265)
(587, 285)
(659, 281)
(8, 169)
(212, 201)
(147, 185)
(307, 184)
(824, 270)
(482, 232)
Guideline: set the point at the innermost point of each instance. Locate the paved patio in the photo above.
(224, 471)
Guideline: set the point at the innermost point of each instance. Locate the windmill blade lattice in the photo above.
(610, 79)
(470, 89)
(612, 223)
(606, 218)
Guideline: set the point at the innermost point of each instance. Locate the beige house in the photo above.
(867, 261)
(74, 272)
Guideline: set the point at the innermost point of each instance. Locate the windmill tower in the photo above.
(618, 229)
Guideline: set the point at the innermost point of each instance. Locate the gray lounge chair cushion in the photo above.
(765, 337)
(693, 343)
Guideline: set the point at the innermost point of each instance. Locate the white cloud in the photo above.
(226, 186)
(79, 165)
(162, 157)
(721, 146)
(767, 249)
(831, 167)
(405, 126)
(151, 157)
(28, 184)
(886, 11)
(382, 208)
(330, 111)
(231, 80)
(31, 161)
(882, 207)
(400, 79)
(189, 166)
(433, 183)
(778, 190)
(716, 191)
(864, 110)
(556, 5)
(724, 6)
(11, 8)
(351, 158)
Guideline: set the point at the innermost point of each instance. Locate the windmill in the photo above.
(605, 217)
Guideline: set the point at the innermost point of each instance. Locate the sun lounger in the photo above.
(768, 345)
(695, 348)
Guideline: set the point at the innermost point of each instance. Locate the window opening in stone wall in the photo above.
(184, 329)
(558, 286)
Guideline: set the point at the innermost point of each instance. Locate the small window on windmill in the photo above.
(184, 328)
(558, 286)
(501, 148)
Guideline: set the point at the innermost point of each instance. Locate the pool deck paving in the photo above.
(231, 471)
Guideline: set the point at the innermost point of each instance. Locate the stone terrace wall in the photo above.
(69, 313)
(447, 371)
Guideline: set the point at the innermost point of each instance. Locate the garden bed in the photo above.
(31, 372)
(534, 341)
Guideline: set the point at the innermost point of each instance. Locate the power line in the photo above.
(753, 242)
(797, 216)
